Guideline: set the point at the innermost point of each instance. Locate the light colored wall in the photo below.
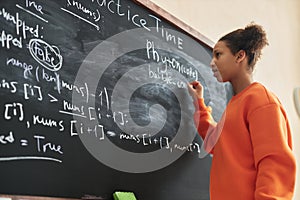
(279, 68)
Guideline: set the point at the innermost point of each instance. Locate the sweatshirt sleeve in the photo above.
(202, 117)
(272, 148)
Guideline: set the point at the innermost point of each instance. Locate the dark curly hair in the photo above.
(252, 39)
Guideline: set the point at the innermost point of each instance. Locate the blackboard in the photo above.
(94, 100)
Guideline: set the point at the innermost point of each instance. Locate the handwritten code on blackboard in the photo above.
(93, 99)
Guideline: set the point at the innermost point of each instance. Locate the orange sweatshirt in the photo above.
(252, 155)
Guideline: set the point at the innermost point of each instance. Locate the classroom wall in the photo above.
(279, 67)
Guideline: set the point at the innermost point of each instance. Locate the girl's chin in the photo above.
(219, 79)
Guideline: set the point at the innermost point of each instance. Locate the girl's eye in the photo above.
(217, 54)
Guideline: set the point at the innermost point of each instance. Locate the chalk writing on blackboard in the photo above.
(50, 58)
(166, 72)
(97, 89)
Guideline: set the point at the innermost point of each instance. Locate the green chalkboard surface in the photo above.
(93, 100)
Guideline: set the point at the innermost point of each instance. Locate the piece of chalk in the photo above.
(195, 85)
(124, 196)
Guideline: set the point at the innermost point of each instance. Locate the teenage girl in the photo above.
(252, 144)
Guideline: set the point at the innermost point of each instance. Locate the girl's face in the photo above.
(223, 63)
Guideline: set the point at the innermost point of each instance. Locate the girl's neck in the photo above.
(240, 84)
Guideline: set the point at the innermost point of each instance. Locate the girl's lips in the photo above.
(215, 72)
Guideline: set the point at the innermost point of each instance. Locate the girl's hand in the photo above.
(195, 90)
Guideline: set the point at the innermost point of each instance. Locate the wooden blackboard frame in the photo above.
(176, 22)
(21, 197)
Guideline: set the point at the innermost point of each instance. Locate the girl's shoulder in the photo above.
(260, 94)
(255, 96)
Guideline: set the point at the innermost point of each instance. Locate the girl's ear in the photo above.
(240, 56)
